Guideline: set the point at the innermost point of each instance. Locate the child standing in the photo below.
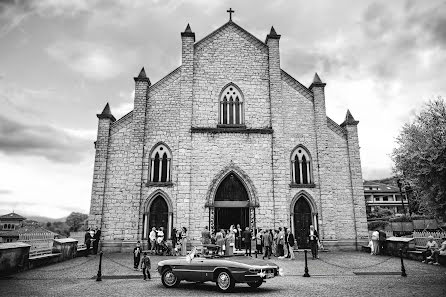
(136, 255)
(145, 266)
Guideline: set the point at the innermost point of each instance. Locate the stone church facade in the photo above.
(227, 138)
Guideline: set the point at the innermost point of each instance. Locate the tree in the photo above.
(379, 212)
(420, 156)
(75, 221)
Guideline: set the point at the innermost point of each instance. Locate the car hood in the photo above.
(250, 261)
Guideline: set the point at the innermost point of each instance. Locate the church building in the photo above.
(227, 138)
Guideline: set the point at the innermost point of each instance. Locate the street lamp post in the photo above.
(400, 184)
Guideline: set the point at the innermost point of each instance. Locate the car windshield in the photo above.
(205, 250)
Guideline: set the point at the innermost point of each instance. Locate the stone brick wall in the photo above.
(115, 203)
(299, 130)
(231, 56)
(213, 153)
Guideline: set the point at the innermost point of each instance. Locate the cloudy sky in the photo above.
(61, 61)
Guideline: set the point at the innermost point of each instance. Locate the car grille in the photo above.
(267, 270)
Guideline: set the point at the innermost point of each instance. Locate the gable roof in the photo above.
(382, 188)
(12, 216)
(205, 40)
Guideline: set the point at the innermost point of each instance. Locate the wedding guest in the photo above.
(267, 243)
(290, 240)
(96, 237)
(87, 241)
(247, 241)
(206, 236)
(136, 255)
(313, 239)
(184, 241)
(220, 240)
(259, 237)
(152, 239)
(280, 242)
(145, 266)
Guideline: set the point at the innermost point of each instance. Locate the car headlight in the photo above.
(281, 272)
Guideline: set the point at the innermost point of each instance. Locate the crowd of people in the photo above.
(160, 246)
(268, 242)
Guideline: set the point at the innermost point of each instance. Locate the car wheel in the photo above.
(225, 282)
(256, 284)
(169, 279)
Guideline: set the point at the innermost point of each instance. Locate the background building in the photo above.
(384, 196)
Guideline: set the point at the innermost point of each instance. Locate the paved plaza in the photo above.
(334, 274)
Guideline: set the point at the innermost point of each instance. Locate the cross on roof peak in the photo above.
(230, 13)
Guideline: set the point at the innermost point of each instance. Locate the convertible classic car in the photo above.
(204, 264)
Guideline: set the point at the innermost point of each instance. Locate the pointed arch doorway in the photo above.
(303, 215)
(157, 213)
(231, 204)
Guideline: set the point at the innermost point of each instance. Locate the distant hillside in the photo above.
(392, 181)
(41, 219)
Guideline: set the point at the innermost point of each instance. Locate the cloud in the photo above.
(26, 208)
(5, 192)
(54, 144)
(15, 12)
(93, 61)
(125, 106)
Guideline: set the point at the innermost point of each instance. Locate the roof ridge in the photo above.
(308, 95)
(117, 122)
(198, 43)
(164, 78)
(336, 126)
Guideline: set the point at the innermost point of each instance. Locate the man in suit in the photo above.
(87, 241)
(290, 240)
(247, 241)
(313, 238)
(267, 243)
(205, 236)
(96, 237)
(238, 239)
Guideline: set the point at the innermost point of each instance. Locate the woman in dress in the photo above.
(184, 241)
(276, 243)
(259, 238)
(220, 240)
(230, 240)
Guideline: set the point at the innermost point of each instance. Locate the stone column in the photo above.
(100, 167)
(133, 218)
(185, 138)
(279, 158)
(358, 201)
(327, 205)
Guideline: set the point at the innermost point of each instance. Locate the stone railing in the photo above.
(40, 242)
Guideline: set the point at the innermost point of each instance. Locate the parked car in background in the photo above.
(203, 264)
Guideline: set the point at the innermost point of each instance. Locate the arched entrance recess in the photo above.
(303, 214)
(157, 213)
(231, 199)
(231, 203)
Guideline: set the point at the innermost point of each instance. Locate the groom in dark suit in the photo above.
(313, 238)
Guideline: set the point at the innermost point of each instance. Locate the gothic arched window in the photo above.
(231, 106)
(160, 163)
(301, 166)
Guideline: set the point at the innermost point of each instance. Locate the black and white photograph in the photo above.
(210, 148)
